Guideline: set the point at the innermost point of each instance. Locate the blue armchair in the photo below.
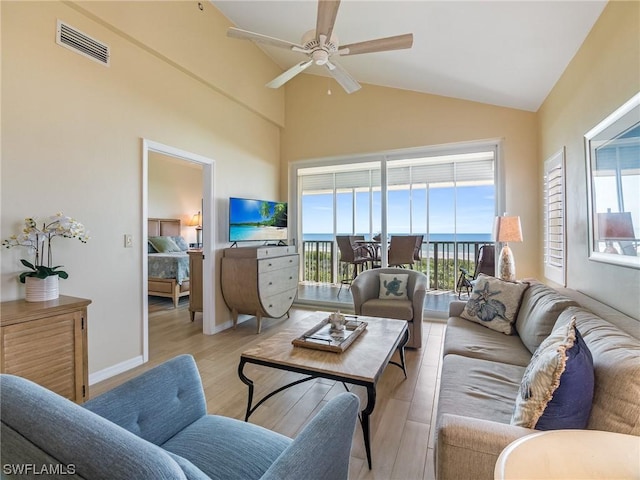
(156, 427)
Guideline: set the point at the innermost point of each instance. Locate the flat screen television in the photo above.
(257, 220)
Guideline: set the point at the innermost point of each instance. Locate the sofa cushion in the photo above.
(472, 340)
(494, 303)
(616, 363)
(228, 449)
(538, 313)
(557, 387)
(400, 309)
(478, 388)
(393, 286)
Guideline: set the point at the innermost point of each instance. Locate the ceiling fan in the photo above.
(320, 45)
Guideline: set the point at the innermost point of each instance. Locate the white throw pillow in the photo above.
(393, 286)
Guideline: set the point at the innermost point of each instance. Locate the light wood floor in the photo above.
(401, 424)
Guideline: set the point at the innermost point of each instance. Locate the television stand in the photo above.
(260, 281)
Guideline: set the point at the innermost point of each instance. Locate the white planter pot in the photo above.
(42, 289)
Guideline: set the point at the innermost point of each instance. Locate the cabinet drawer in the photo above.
(278, 281)
(277, 305)
(267, 252)
(277, 263)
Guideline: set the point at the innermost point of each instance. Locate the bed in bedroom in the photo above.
(168, 260)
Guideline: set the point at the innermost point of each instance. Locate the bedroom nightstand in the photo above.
(195, 281)
(46, 342)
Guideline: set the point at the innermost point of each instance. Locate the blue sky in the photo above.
(475, 207)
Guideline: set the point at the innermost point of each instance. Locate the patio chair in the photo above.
(485, 263)
(402, 250)
(352, 255)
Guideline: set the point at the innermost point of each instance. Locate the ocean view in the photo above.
(434, 237)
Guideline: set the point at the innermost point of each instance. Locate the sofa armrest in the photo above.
(157, 404)
(468, 448)
(456, 308)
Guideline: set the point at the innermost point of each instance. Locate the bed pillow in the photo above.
(180, 242)
(494, 303)
(164, 244)
(393, 286)
(556, 391)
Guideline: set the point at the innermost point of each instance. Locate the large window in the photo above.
(449, 197)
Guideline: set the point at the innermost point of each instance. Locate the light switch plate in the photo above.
(128, 240)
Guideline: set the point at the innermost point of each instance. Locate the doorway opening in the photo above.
(207, 233)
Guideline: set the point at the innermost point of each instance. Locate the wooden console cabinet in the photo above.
(196, 258)
(46, 342)
(260, 281)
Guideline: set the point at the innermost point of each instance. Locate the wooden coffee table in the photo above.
(361, 364)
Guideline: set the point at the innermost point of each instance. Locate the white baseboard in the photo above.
(115, 370)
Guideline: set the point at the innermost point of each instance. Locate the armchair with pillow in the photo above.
(392, 293)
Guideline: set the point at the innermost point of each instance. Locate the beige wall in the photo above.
(603, 75)
(175, 191)
(378, 119)
(71, 141)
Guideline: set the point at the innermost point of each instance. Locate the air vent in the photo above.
(81, 43)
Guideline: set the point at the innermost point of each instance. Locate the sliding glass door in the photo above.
(449, 197)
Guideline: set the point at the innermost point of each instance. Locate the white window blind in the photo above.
(554, 219)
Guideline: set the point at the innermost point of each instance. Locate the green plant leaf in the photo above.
(27, 264)
(63, 274)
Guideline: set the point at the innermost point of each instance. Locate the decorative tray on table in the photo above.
(323, 337)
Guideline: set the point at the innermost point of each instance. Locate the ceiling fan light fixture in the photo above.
(320, 57)
(320, 45)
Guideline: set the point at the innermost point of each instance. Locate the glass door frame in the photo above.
(295, 188)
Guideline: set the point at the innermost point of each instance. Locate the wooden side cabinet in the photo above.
(46, 342)
(195, 276)
(260, 281)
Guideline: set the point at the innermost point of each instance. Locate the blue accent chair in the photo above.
(156, 427)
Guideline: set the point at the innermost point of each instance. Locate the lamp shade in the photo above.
(615, 226)
(196, 220)
(507, 229)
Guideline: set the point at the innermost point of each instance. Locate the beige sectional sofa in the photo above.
(482, 369)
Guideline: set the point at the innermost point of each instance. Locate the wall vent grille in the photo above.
(73, 39)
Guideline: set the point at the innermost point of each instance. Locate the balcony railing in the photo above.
(440, 261)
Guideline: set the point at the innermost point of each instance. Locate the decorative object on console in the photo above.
(557, 387)
(507, 229)
(42, 284)
(196, 221)
(494, 303)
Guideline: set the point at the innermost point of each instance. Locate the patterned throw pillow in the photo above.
(164, 244)
(556, 391)
(494, 303)
(393, 286)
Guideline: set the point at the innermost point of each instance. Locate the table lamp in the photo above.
(614, 226)
(196, 221)
(507, 229)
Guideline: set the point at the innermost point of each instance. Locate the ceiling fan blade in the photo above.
(258, 37)
(378, 45)
(345, 80)
(327, 12)
(289, 74)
